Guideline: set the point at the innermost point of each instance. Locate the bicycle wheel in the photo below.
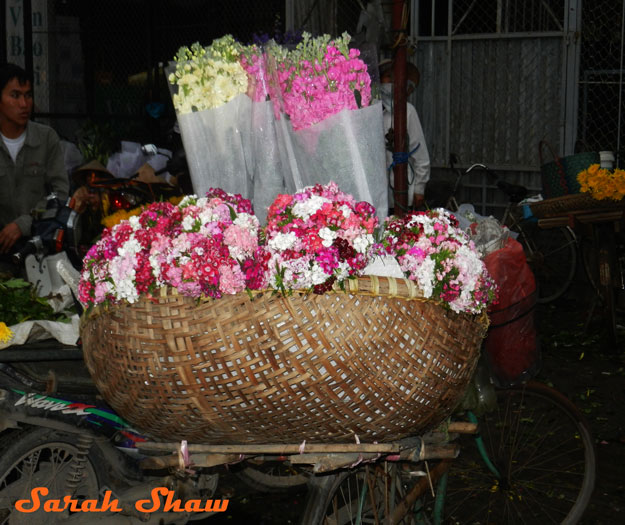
(543, 449)
(274, 476)
(552, 256)
(370, 494)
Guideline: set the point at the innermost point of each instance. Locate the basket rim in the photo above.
(571, 204)
(366, 285)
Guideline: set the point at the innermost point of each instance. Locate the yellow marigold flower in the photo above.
(120, 215)
(176, 200)
(5, 333)
(602, 183)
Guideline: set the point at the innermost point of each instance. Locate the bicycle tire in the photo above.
(368, 494)
(274, 476)
(544, 450)
(552, 256)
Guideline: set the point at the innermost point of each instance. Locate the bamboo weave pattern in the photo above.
(321, 368)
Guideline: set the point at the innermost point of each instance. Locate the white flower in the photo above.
(304, 209)
(247, 222)
(130, 247)
(345, 210)
(362, 242)
(282, 241)
(207, 82)
(328, 236)
(317, 275)
(342, 271)
(134, 222)
(188, 222)
(425, 276)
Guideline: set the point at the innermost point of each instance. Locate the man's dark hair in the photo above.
(10, 71)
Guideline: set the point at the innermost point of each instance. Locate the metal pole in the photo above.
(620, 93)
(400, 172)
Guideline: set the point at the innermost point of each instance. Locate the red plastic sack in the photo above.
(511, 345)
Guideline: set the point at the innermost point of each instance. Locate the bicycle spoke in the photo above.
(541, 451)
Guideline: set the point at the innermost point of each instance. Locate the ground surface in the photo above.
(578, 359)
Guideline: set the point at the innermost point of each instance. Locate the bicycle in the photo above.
(551, 253)
(534, 463)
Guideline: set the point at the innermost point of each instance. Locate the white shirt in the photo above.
(14, 145)
(419, 161)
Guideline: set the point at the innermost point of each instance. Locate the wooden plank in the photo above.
(381, 448)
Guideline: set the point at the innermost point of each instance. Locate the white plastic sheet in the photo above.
(216, 143)
(347, 148)
(267, 170)
(31, 331)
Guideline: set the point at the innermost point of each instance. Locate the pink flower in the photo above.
(440, 258)
(192, 247)
(231, 279)
(316, 237)
(315, 89)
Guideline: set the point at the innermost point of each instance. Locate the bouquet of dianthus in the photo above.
(320, 78)
(432, 251)
(331, 129)
(317, 237)
(209, 86)
(204, 246)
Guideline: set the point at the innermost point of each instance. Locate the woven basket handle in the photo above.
(557, 160)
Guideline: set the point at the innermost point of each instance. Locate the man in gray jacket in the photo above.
(31, 160)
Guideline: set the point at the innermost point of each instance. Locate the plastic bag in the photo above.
(347, 148)
(512, 345)
(267, 172)
(215, 144)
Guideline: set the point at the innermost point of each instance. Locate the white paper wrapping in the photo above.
(31, 331)
(384, 266)
(267, 171)
(347, 148)
(215, 143)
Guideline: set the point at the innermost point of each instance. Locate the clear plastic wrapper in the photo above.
(214, 142)
(266, 162)
(347, 148)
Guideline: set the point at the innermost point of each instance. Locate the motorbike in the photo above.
(68, 458)
(72, 226)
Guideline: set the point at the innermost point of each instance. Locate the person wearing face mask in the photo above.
(31, 163)
(419, 159)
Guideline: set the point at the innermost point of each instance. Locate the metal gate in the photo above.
(497, 77)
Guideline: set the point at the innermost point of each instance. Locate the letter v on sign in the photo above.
(16, 13)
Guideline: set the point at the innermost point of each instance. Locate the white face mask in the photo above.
(386, 94)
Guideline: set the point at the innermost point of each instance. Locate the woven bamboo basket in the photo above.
(571, 205)
(375, 361)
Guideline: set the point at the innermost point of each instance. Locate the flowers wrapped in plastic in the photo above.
(209, 86)
(204, 246)
(265, 167)
(329, 126)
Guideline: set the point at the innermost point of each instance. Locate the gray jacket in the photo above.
(23, 182)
